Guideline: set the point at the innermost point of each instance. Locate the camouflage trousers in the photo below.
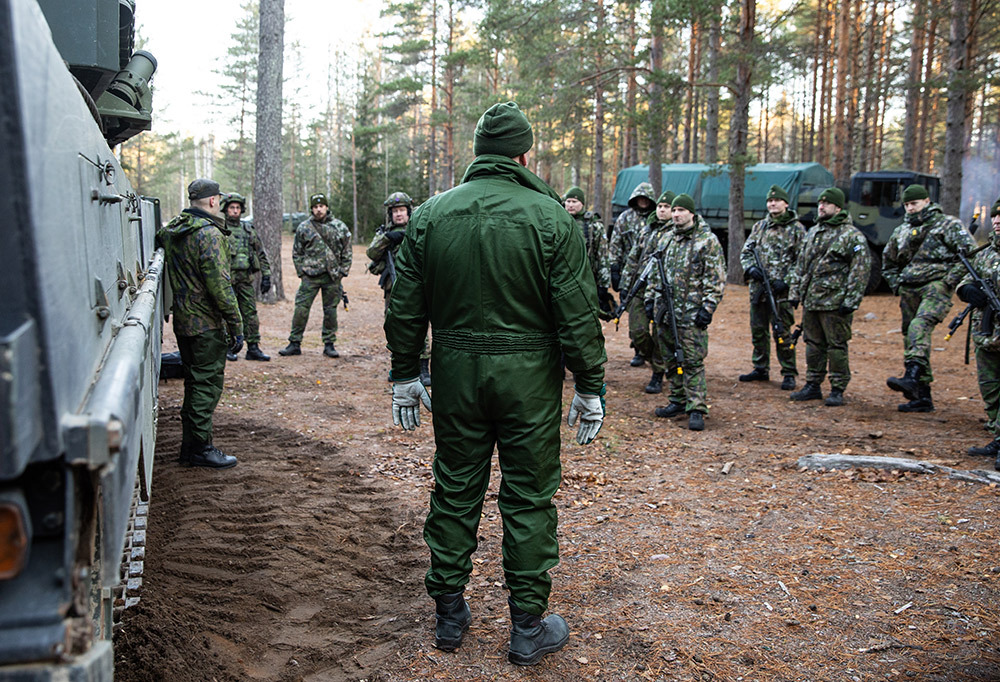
(639, 331)
(246, 297)
(760, 333)
(924, 306)
(988, 373)
(204, 358)
(826, 334)
(308, 288)
(693, 391)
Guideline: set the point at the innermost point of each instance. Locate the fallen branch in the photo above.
(817, 461)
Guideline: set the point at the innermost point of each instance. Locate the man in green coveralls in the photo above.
(248, 258)
(499, 270)
(204, 308)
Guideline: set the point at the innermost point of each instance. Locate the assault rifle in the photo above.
(776, 324)
(993, 308)
(633, 290)
(343, 295)
(389, 274)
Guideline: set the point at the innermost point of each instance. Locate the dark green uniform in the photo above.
(322, 256)
(498, 269)
(204, 309)
(248, 258)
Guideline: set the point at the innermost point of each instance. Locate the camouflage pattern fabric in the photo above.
(322, 247)
(377, 249)
(922, 249)
(308, 288)
(988, 374)
(760, 334)
(246, 249)
(923, 306)
(245, 289)
(826, 334)
(592, 228)
(197, 266)
(987, 266)
(640, 331)
(833, 266)
(204, 359)
(628, 225)
(650, 237)
(694, 343)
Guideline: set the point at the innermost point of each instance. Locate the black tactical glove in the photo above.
(845, 310)
(395, 237)
(237, 345)
(647, 306)
(973, 295)
(794, 302)
(605, 299)
(265, 284)
(702, 318)
(779, 287)
(616, 278)
(753, 272)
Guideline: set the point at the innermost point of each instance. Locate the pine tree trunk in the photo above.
(738, 133)
(432, 169)
(689, 94)
(913, 85)
(959, 78)
(268, 165)
(712, 94)
(924, 158)
(598, 191)
(842, 39)
(658, 14)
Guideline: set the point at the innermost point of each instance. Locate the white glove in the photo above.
(590, 409)
(406, 399)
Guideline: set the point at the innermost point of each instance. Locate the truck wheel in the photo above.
(875, 274)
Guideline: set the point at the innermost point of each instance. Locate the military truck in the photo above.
(80, 323)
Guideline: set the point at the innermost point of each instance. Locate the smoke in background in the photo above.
(980, 188)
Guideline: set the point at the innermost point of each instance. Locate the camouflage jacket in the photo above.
(322, 247)
(693, 261)
(987, 266)
(833, 266)
(246, 249)
(923, 249)
(650, 239)
(628, 226)
(592, 228)
(197, 264)
(778, 242)
(377, 251)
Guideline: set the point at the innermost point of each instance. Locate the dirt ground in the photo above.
(305, 562)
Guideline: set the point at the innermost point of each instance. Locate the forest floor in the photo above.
(305, 562)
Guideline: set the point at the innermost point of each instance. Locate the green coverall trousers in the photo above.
(204, 358)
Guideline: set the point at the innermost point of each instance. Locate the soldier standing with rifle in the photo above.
(627, 228)
(248, 258)
(981, 283)
(774, 242)
(692, 257)
(920, 262)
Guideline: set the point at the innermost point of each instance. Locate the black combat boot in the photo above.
(453, 618)
(232, 357)
(655, 384)
(836, 398)
(811, 391)
(909, 383)
(922, 403)
(329, 351)
(255, 353)
(637, 360)
(669, 411)
(991, 449)
(425, 372)
(758, 374)
(293, 348)
(696, 421)
(207, 455)
(531, 637)
(788, 383)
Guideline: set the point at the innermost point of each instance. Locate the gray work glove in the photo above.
(590, 409)
(406, 399)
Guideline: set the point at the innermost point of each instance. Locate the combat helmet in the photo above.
(234, 198)
(397, 199)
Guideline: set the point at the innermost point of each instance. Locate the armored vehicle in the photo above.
(80, 322)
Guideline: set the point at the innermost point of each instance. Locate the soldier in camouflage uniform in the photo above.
(382, 252)
(921, 265)
(204, 308)
(248, 257)
(987, 265)
(832, 271)
(592, 228)
(777, 239)
(653, 233)
(623, 236)
(322, 256)
(693, 259)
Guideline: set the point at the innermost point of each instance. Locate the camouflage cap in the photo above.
(398, 199)
(202, 188)
(317, 199)
(777, 192)
(575, 193)
(233, 198)
(915, 193)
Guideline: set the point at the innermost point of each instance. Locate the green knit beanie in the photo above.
(833, 195)
(317, 199)
(683, 201)
(667, 197)
(995, 209)
(503, 130)
(915, 193)
(575, 193)
(778, 193)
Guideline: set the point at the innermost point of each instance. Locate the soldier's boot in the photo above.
(991, 449)
(655, 384)
(329, 351)
(531, 636)
(255, 353)
(425, 372)
(835, 399)
(788, 383)
(637, 360)
(922, 403)
(232, 357)
(453, 618)
(757, 374)
(909, 383)
(669, 411)
(207, 455)
(696, 421)
(811, 391)
(293, 348)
